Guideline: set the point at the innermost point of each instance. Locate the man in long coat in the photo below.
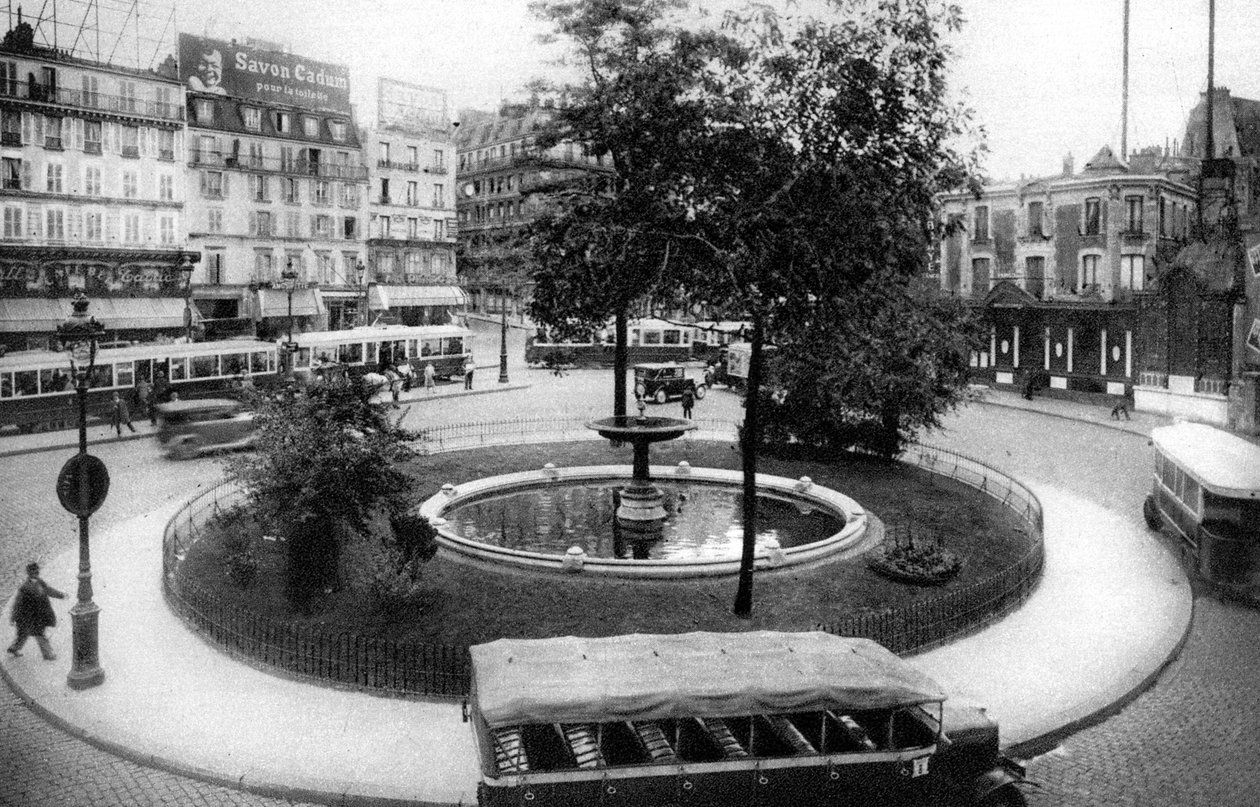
(32, 613)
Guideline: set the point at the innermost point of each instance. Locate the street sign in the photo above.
(69, 479)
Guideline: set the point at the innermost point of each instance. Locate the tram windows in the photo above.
(102, 376)
(125, 374)
(454, 345)
(651, 337)
(370, 358)
(6, 385)
(26, 382)
(302, 358)
(205, 366)
(144, 369)
(53, 380)
(235, 364)
(350, 354)
(260, 361)
(430, 346)
(179, 370)
(412, 348)
(671, 337)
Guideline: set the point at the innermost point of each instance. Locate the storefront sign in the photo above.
(410, 106)
(16, 277)
(224, 68)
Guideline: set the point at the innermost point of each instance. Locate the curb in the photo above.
(1134, 430)
(70, 444)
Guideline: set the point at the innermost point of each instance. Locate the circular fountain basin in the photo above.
(824, 523)
(633, 428)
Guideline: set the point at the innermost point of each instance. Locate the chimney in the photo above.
(1068, 165)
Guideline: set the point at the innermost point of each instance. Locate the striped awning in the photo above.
(275, 303)
(34, 314)
(381, 297)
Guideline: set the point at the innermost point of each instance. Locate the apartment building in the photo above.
(92, 195)
(276, 183)
(411, 225)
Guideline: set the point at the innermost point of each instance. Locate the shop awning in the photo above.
(115, 313)
(382, 296)
(275, 303)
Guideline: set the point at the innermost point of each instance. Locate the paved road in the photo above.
(1190, 740)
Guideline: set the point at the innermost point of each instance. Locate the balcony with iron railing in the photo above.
(98, 101)
(275, 165)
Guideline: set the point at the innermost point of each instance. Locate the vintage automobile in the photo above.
(662, 381)
(724, 719)
(1206, 491)
(188, 429)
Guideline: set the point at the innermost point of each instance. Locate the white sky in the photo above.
(1044, 76)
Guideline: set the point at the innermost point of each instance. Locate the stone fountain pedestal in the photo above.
(642, 503)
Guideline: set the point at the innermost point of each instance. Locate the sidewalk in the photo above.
(99, 431)
(1112, 609)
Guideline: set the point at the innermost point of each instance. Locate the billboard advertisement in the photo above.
(410, 106)
(266, 76)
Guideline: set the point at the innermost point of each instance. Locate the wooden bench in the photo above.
(509, 751)
(721, 734)
(653, 741)
(581, 738)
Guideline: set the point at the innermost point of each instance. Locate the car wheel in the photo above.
(660, 397)
(188, 449)
(701, 391)
(1151, 513)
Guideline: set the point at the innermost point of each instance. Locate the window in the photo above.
(252, 117)
(439, 230)
(1133, 214)
(54, 173)
(349, 195)
(166, 230)
(413, 193)
(384, 191)
(310, 126)
(92, 225)
(293, 224)
(1035, 275)
(262, 264)
(258, 187)
(1133, 272)
(166, 188)
(164, 96)
(438, 192)
(255, 156)
(52, 133)
(280, 120)
(130, 184)
(413, 228)
(287, 161)
(323, 194)
(413, 156)
(383, 156)
(91, 91)
(127, 91)
(338, 130)
(214, 220)
(55, 224)
(261, 223)
(1093, 217)
(323, 226)
(92, 180)
(1036, 215)
(214, 268)
(131, 228)
(131, 141)
(204, 109)
(383, 224)
(166, 144)
(980, 275)
(349, 228)
(12, 174)
(1089, 272)
(92, 136)
(11, 127)
(439, 161)
(1163, 218)
(12, 221)
(292, 190)
(323, 266)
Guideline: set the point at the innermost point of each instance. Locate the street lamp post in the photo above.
(289, 279)
(81, 487)
(186, 269)
(503, 373)
(361, 270)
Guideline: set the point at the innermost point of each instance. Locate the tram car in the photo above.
(373, 347)
(709, 719)
(1206, 491)
(37, 391)
(647, 340)
(711, 337)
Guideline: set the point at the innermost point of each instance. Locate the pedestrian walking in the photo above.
(395, 385)
(33, 613)
(120, 414)
(1119, 409)
(468, 373)
(405, 373)
(688, 401)
(144, 401)
(429, 375)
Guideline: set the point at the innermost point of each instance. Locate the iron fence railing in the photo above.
(414, 668)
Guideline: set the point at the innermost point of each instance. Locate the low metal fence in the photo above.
(414, 668)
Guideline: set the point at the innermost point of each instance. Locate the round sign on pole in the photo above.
(68, 482)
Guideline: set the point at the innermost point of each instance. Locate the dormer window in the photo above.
(253, 118)
(338, 130)
(205, 110)
(310, 126)
(281, 122)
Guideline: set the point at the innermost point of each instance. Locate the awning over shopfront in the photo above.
(381, 297)
(115, 313)
(275, 303)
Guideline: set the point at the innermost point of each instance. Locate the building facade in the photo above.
(276, 182)
(92, 196)
(503, 182)
(1059, 265)
(411, 223)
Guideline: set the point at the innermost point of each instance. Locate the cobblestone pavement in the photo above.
(1189, 740)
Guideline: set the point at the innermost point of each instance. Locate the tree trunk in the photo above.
(751, 438)
(620, 355)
